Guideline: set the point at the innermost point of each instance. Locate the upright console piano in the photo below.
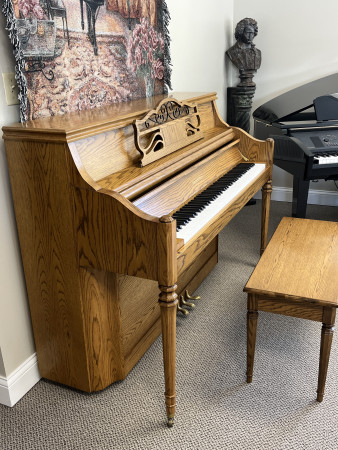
(304, 125)
(118, 211)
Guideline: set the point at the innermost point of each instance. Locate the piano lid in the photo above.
(297, 101)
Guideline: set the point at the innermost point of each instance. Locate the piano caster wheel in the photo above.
(191, 297)
(170, 422)
(179, 306)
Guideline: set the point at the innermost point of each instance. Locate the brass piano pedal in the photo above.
(185, 303)
(191, 297)
(179, 306)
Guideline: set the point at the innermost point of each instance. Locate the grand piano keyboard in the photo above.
(193, 216)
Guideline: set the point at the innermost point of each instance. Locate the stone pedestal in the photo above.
(239, 104)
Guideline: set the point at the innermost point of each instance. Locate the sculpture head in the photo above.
(246, 30)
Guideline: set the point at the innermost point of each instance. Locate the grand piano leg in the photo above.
(266, 199)
(299, 197)
(168, 300)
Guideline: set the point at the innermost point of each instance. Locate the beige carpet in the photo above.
(216, 409)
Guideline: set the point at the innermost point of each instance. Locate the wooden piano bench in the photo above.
(296, 276)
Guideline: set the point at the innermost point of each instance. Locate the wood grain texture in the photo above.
(81, 124)
(172, 126)
(177, 191)
(111, 237)
(254, 149)
(103, 332)
(205, 254)
(103, 146)
(141, 326)
(294, 277)
(133, 180)
(291, 308)
(121, 317)
(329, 318)
(136, 321)
(166, 251)
(42, 201)
(251, 148)
(301, 262)
(251, 321)
(266, 200)
(168, 301)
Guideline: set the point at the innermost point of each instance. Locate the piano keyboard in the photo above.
(193, 216)
(330, 157)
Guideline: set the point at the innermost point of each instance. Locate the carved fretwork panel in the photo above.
(172, 126)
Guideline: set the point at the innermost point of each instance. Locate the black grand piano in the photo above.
(304, 124)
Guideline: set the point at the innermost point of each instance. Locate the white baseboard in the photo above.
(316, 197)
(19, 382)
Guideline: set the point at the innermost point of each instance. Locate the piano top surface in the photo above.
(79, 124)
(296, 100)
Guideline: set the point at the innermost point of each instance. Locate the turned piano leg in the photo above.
(168, 303)
(168, 300)
(266, 198)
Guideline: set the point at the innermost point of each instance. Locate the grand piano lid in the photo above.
(287, 105)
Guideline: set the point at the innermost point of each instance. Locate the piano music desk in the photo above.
(296, 277)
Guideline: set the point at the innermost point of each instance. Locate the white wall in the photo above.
(200, 34)
(2, 366)
(298, 40)
(16, 341)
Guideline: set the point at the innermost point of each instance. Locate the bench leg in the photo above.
(266, 197)
(252, 318)
(329, 316)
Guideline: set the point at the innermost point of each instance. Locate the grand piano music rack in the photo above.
(102, 258)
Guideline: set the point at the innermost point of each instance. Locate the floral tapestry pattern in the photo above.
(81, 54)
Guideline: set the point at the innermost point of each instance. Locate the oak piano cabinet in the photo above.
(118, 212)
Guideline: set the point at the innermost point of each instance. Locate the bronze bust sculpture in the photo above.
(243, 54)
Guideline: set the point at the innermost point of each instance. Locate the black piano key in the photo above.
(198, 203)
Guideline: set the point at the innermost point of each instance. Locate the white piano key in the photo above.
(332, 159)
(189, 230)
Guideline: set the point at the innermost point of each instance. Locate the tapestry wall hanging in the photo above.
(80, 54)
